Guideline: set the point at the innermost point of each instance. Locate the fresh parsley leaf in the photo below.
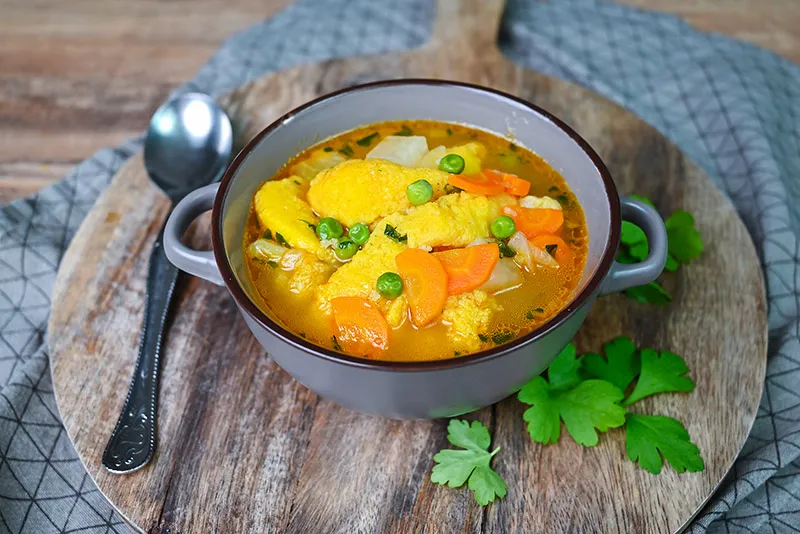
(631, 234)
(620, 366)
(672, 264)
(563, 371)
(649, 437)
(346, 151)
(454, 467)
(685, 242)
(366, 141)
(501, 337)
(592, 404)
(651, 293)
(505, 250)
(405, 131)
(281, 241)
(392, 233)
(660, 374)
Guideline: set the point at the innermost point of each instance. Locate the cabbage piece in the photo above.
(319, 160)
(539, 202)
(403, 150)
(505, 276)
(431, 159)
(266, 250)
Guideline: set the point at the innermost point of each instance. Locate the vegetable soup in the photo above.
(414, 240)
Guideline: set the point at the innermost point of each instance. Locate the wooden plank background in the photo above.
(80, 75)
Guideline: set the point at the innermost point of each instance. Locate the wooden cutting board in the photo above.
(244, 448)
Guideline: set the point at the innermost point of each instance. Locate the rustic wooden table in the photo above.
(80, 75)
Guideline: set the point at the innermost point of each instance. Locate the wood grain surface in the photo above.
(244, 448)
(81, 75)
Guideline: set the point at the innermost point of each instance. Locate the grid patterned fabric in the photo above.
(733, 108)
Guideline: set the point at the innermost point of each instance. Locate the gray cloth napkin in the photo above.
(733, 108)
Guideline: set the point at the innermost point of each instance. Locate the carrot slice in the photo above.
(562, 253)
(535, 221)
(468, 268)
(476, 183)
(512, 184)
(361, 329)
(425, 284)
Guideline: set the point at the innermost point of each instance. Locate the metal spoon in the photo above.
(188, 144)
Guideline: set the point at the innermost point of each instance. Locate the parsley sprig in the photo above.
(684, 245)
(471, 463)
(593, 392)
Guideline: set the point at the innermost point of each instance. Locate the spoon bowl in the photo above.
(188, 144)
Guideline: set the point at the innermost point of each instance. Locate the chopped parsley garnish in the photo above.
(553, 189)
(392, 233)
(505, 250)
(529, 315)
(448, 189)
(483, 337)
(346, 151)
(470, 463)
(303, 335)
(366, 141)
(336, 345)
(563, 200)
(272, 263)
(449, 131)
(512, 147)
(310, 225)
(456, 353)
(281, 241)
(539, 310)
(405, 131)
(501, 337)
(328, 149)
(551, 249)
(267, 234)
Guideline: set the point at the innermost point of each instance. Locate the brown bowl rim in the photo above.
(329, 355)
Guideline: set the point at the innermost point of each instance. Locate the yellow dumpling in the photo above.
(358, 277)
(468, 315)
(366, 190)
(453, 220)
(280, 207)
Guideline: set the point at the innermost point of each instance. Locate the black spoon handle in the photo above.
(133, 441)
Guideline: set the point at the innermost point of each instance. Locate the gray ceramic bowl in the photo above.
(417, 389)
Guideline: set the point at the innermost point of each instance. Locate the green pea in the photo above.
(346, 249)
(503, 227)
(329, 228)
(452, 163)
(359, 233)
(419, 192)
(389, 285)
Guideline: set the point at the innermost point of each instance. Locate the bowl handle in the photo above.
(200, 263)
(624, 276)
